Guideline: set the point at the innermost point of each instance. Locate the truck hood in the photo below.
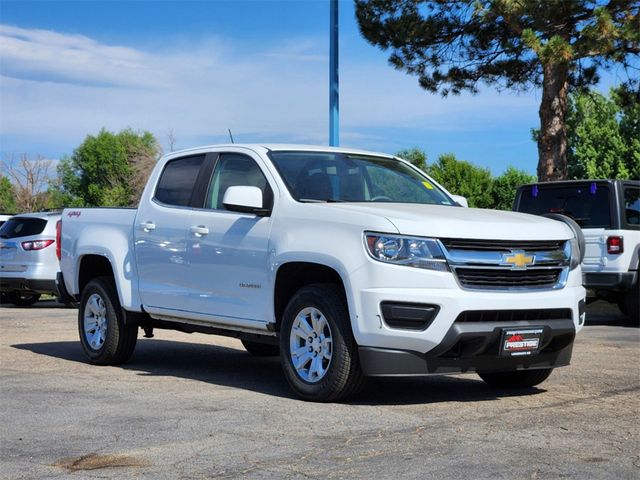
(443, 221)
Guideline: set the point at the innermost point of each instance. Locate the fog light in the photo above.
(408, 316)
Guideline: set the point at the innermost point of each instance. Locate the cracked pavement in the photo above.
(197, 406)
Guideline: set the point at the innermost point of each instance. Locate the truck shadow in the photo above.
(601, 313)
(229, 367)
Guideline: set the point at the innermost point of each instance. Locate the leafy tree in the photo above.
(603, 137)
(463, 178)
(414, 156)
(7, 196)
(453, 45)
(108, 169)
(504, 187)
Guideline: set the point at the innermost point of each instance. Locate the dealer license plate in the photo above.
(516, 342)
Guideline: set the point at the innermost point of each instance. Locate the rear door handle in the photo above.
(148, 226)
(199, 230)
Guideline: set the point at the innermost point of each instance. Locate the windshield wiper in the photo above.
(316, 200)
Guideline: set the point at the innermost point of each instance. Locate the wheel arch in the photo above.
(293, 275)
(91, 266)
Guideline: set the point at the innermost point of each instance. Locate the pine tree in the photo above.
(558, 45)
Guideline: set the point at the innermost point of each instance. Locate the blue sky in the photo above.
(68, 69)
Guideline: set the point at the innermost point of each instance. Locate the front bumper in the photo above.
(615, 281)
(471, 347)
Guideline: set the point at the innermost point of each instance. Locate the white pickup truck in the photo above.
(346, 263)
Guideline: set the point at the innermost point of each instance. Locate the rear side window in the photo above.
(632, 205)
(588, 204)
(22, 227)
(178, 180)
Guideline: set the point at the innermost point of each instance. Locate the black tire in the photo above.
(515, 380)
(24, 299)
(120, 338)
(629, 303)
(577, 231)
(261, 349)
(6, 298)
(343, 377)
(622, 305)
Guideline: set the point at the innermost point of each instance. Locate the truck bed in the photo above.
(84, 231)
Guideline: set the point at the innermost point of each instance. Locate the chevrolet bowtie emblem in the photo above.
(518, 260)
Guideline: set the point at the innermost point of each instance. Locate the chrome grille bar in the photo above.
(490, 265)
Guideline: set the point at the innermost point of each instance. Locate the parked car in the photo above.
(346, 263)
(28, 262)
(608, 211)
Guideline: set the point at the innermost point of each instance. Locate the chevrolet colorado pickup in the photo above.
(345, 263)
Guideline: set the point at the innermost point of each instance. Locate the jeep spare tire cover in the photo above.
(577, 231)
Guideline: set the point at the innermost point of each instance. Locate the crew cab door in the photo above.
(160, 233)
(229, 274)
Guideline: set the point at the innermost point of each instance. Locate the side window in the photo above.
(177, 181)
(234, 169)
(632, 205)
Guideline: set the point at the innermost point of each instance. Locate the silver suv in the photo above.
(28, 262)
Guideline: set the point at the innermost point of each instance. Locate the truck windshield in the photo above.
(587, 203)
(338, 177)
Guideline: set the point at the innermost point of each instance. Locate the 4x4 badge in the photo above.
(518, 260)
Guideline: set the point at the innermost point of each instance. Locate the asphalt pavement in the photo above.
(197, 406)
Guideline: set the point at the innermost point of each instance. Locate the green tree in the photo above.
(597, 148)
(109, 169)
(414, 156)
(454, 45)
(463, 178)
(504, 187)
(7, 196)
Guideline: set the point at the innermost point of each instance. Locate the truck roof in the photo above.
(275, 147)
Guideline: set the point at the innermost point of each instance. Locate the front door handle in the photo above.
(199, 230)
(148, 226)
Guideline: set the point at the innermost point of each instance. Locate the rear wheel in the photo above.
(23, 299)
(319, 354)
(629, 303)
(104, 336)
(261, 349)
(6, 298)
(573, 225)
(514, 380)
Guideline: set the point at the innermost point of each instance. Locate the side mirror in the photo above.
(460, 200)
(245, 199)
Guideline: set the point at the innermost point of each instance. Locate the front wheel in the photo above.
(319, 354)
(104, 336)
(518, 379)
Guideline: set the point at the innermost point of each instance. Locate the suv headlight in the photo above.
(408, 251)
(572, 251)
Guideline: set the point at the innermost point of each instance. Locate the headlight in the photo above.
(572, 251)
(408, 251)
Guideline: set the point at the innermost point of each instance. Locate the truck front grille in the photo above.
(503, 278)
(502, 245)
(508, 264)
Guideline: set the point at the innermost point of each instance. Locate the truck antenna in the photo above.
(230, 135)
